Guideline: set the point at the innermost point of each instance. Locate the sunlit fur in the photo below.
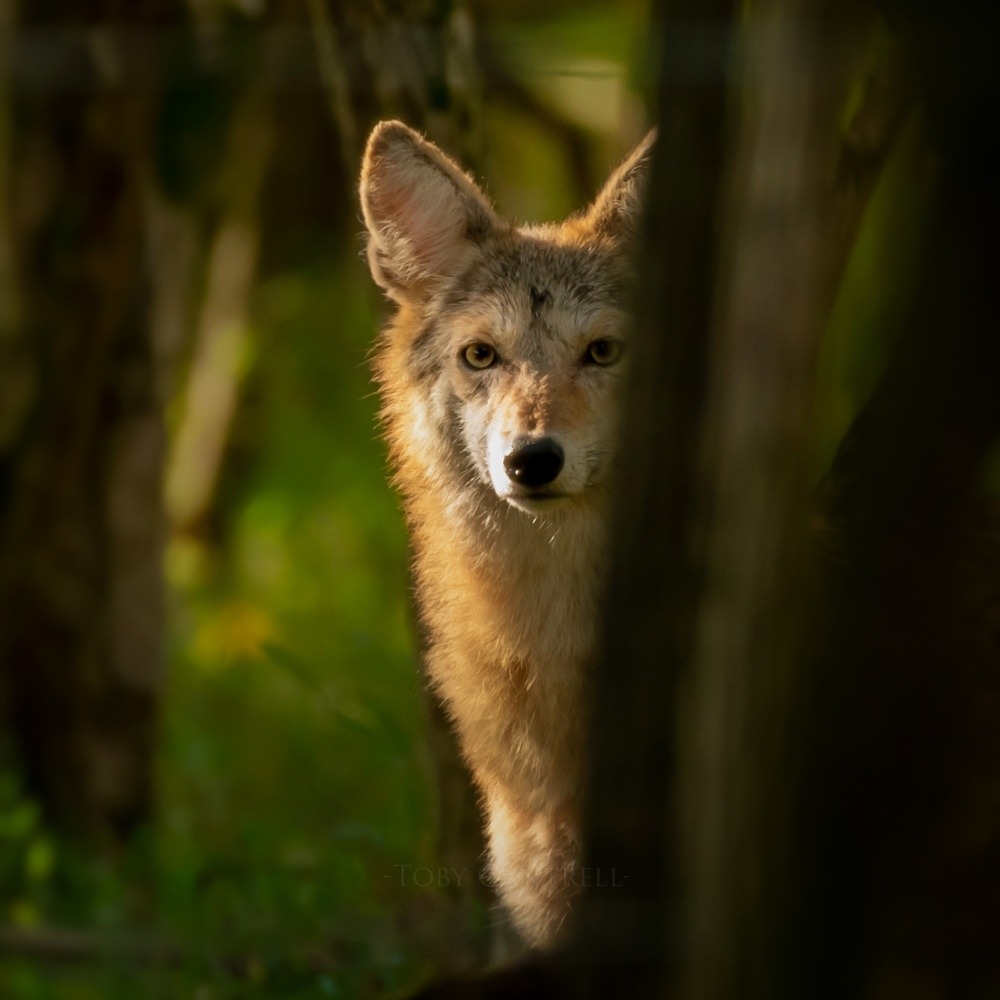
(508, 579)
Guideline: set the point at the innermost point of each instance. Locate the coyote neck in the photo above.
(512, 607)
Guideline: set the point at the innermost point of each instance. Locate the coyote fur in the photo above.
(501, 373)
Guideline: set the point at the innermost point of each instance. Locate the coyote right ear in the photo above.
(615, 211)
(425, 217)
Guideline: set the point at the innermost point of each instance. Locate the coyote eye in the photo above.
(479, 356)
(604, 351)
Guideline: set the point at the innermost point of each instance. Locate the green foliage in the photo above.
(293, 778)
(292, 775)
(26, 853)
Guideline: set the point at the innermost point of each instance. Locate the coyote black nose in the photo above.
(534, 463)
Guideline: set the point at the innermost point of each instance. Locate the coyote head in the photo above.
(507, 354)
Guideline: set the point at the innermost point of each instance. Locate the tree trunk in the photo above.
(81, 454)
(628, 936)
(896, 828)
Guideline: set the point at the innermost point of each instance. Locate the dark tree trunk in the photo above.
(898, 818)
(81, 526)
(628, 931)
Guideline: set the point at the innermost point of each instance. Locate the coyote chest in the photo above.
(513, 628)
(500, 376)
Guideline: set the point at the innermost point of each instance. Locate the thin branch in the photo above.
(332, 71)
(211, 396)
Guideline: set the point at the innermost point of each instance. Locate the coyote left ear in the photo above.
(426, 218)
(615, 211)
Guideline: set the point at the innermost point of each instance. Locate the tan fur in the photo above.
(508, 583)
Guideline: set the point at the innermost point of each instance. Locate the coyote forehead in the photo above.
(500, 375)
(529, 296)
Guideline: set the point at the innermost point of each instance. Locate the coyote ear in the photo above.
(615, 211)
(425, 217)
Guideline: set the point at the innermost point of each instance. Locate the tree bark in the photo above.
(628, 935)
(897, 825)
(81, 525)
(786, 236)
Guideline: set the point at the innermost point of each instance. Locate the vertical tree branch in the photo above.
(211, 394)
(629, 938)
(333, 71)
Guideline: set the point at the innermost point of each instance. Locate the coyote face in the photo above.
(500, 376)
(533, 368)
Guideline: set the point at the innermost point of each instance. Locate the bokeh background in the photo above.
(183, 284)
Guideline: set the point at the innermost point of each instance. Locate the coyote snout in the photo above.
(527, 471)
(532, 463)
(500, 375)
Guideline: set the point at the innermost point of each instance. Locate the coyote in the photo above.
(500, 374)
